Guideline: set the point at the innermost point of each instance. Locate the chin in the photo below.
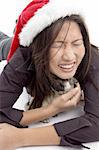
(67, 75)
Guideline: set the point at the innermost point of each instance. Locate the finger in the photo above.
(79, 89)
(78, 85)
(74, 100)
(70, 94)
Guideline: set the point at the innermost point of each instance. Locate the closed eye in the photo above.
(57, 44)
(77, 42)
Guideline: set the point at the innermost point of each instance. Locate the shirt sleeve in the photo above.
(84, 129)
(14, 77)
(5, 42)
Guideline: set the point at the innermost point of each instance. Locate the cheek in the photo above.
(81, 54)
(51, 66)
(53, 53)
(54, 57)
(52, 63)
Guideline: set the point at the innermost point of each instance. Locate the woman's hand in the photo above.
(9, 137)
(68, 100)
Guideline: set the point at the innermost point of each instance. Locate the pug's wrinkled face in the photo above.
(63, 86)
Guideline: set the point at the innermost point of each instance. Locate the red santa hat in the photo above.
(38, 15)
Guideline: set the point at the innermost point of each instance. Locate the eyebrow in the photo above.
(72, 41)
(58, 41)
(77, 40)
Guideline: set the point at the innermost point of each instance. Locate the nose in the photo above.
(68, 53)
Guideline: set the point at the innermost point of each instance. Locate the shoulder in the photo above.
(21, 59)
(24, 52)
(94, 65)
(93, 72)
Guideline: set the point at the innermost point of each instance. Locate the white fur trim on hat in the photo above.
(45, 16)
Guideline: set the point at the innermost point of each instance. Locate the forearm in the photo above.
(39, 136)
(12, 137)
(38, 114)
(59, 104)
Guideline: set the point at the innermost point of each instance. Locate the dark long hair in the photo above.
(40, 85)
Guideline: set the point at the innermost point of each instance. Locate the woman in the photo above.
(58, 48)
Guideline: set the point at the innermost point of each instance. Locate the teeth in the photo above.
(66, 66)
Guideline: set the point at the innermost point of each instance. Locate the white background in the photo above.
(10, 9)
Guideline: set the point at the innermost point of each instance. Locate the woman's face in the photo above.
(67, 51)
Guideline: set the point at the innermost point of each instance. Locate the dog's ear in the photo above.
(58, 85)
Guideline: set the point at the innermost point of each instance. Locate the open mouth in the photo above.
(67, 67)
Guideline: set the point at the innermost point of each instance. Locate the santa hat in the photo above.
(38, 15)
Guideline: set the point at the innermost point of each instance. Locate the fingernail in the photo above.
(76, 88)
